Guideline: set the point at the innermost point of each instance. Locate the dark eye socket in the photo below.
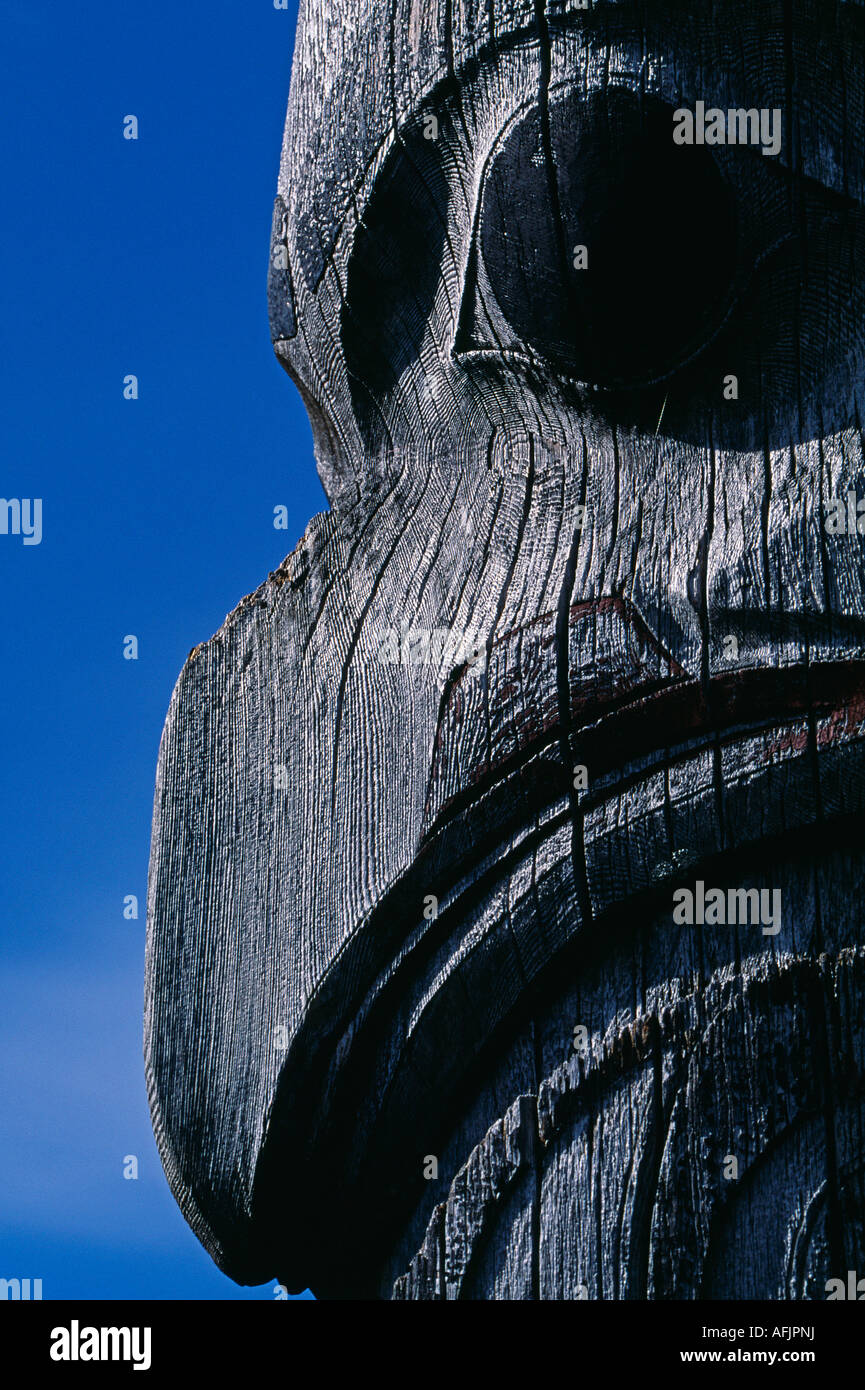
(698, 259)
(394, 272)
(657, 222)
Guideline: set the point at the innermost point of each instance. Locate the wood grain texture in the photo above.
(626, 572)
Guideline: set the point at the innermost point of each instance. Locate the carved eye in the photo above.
(394, 273)
(614, 256)
(608, 251)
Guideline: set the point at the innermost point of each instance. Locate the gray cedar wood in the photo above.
(311, 1035)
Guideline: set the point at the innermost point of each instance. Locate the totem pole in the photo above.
(506, 935)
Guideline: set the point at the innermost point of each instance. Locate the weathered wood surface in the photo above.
(541, 461)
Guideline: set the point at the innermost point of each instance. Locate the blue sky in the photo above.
(145, 257)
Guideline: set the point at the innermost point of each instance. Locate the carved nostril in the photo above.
(656, 219)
